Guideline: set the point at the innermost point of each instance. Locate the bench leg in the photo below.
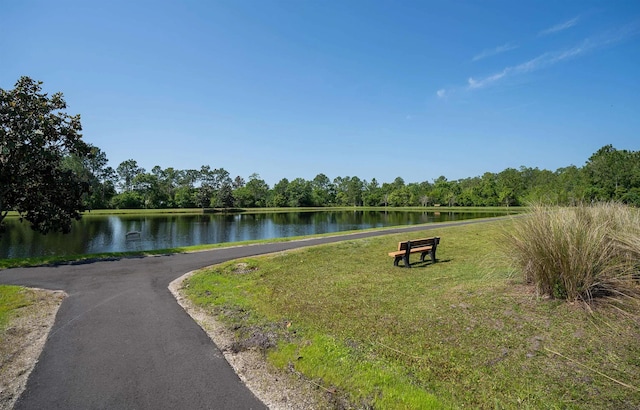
(406, 261)
(431, 253)
(396, 260)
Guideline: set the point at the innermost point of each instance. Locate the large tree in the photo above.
(127, 171)
(94, 170)
(253, 193)
(35, 138)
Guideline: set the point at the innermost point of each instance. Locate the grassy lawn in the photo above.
(464, 332)
(11, 299)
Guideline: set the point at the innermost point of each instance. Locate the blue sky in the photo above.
(374, 89)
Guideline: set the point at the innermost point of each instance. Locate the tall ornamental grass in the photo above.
(580, 253)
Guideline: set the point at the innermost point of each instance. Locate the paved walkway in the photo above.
(120, 340)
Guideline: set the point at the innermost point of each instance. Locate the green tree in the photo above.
(188, 178)
(224, 196)
(612, 173)
(127, 171)
(212, 182)
(238, 182)
(258, 191)
(185, 197)
(165, 186)
(488, 189)
(223, 186)
(571, 185)
(103, 179)
(204, 195)
(398, 183)
(127, 200)
(469, 188)
(299, 193)
(243, 197)
(385, 193)
(220, 178)
(355, 186)
(539, 186)
(278, 195)
(400, 197)
(441, 190)
(206, 190)
(349, 190)
(509, 187)
(416, 192)
(35, 138)
(372, 195)
(148, 186)
(323, 191)
(93, 169)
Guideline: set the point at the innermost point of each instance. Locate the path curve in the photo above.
(120, 340)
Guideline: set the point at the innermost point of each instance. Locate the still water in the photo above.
(108, 233)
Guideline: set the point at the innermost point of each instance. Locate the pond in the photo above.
(108, 233)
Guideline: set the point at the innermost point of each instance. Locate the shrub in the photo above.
(579, 253)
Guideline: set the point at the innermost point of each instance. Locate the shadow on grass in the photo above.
(427, 263)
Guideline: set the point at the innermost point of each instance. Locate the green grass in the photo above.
(11, 299)
(464, 332)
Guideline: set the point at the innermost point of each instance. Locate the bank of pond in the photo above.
(99, 232)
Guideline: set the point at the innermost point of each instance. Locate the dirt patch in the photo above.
(275, 388)
(23, 340)
(243, 268)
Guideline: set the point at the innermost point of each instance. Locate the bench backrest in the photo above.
(418, 243)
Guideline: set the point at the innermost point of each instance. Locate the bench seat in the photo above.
(425, 246)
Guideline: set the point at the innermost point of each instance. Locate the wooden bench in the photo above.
(133, 235)
(423, 246)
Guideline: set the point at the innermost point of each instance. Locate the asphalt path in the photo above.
(121, 341)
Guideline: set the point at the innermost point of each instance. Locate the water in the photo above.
(108, 233)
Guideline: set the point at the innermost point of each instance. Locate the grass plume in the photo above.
(579, 253)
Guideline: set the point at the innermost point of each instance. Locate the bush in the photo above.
(579, 253)
(127, 200)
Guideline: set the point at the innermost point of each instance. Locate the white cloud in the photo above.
(494, 51)
(548, 59)
(528, 66)
(488, 80)
(551, 58)
(559, 27)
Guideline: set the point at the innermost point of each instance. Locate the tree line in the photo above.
(609, 174)
(49, 175)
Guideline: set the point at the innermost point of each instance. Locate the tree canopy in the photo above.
(609, 174)
(49, 175)
(36, 141)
